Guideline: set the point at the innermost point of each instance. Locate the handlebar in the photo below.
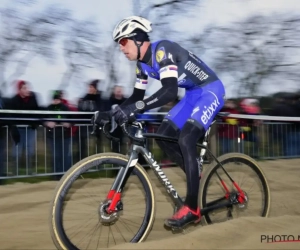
(109, 127)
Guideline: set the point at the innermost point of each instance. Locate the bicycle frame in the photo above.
(138, 148)
(124, 173)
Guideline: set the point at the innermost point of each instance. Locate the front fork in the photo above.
(115, 191)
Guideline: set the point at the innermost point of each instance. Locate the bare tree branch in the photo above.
(32, 34)
(81, 48)
(254, 50)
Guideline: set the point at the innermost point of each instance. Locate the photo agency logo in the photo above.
(275, 238)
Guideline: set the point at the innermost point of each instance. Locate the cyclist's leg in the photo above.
(170, 126)
(191, 132)
(205, 109)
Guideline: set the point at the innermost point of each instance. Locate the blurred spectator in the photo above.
(58, 135)
(117, 98)
(74, 128)
(91, 102)
(65, 101)
(249, 127)
(24, 100)
(228, 130)
(288, 135)
(292, 141)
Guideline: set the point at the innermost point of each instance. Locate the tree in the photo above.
(165, 12)
(256, 50)
(26, 34)
(81, 48)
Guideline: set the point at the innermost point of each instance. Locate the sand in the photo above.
(24, 217)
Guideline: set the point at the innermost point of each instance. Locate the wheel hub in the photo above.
(245, 201)
(238, 199)
(109, 218)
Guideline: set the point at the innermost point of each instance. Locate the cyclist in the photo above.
(175, 67)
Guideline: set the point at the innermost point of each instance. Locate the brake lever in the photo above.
(114, 125)
(106, 132)
(124, 127)
(95, 126)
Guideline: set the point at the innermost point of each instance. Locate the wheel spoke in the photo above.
(249, 193)
(79, 210)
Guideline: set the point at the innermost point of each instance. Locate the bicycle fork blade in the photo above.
(115, 192)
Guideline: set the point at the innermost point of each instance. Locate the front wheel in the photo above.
(238, 189)
(78, 213)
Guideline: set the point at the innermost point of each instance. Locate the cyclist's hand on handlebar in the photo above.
(100, 118)
(127, 113)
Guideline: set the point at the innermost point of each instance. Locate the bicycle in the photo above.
(221, 196)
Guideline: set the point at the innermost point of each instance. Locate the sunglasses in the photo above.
(123, 41)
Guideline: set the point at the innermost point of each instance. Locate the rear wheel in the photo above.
(78, 217)
(254, 200)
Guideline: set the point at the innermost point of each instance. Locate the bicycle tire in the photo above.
(240, 158)
(58, 235)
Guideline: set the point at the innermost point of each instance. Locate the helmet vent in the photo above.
(134, 21)
(125, 27)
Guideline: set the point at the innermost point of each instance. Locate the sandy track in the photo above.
(24, 217)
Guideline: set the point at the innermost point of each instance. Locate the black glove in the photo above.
(100, 118)
(127, 113)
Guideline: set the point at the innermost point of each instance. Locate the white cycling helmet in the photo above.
(126, 27)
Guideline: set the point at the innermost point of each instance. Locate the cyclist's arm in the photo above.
(167, 93)
(168, 77)
(139, 88)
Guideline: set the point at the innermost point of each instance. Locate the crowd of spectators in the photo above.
(234, 132)
(60, 131)
(62, 134)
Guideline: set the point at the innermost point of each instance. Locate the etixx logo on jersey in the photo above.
(160, 54)
(210, 110)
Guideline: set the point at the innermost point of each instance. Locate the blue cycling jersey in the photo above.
(192, 71)
(205, 93)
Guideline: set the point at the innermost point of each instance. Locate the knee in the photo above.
(185, 139)
(190, 134)
(167, 128)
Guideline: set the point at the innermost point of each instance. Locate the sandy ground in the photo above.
(24, 217)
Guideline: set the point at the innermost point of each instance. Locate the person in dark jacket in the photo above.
(91, 102)
(24, 100)
(59, 137)
(228, 131)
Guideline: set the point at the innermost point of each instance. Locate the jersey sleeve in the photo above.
(141, 78)
(166, 57)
